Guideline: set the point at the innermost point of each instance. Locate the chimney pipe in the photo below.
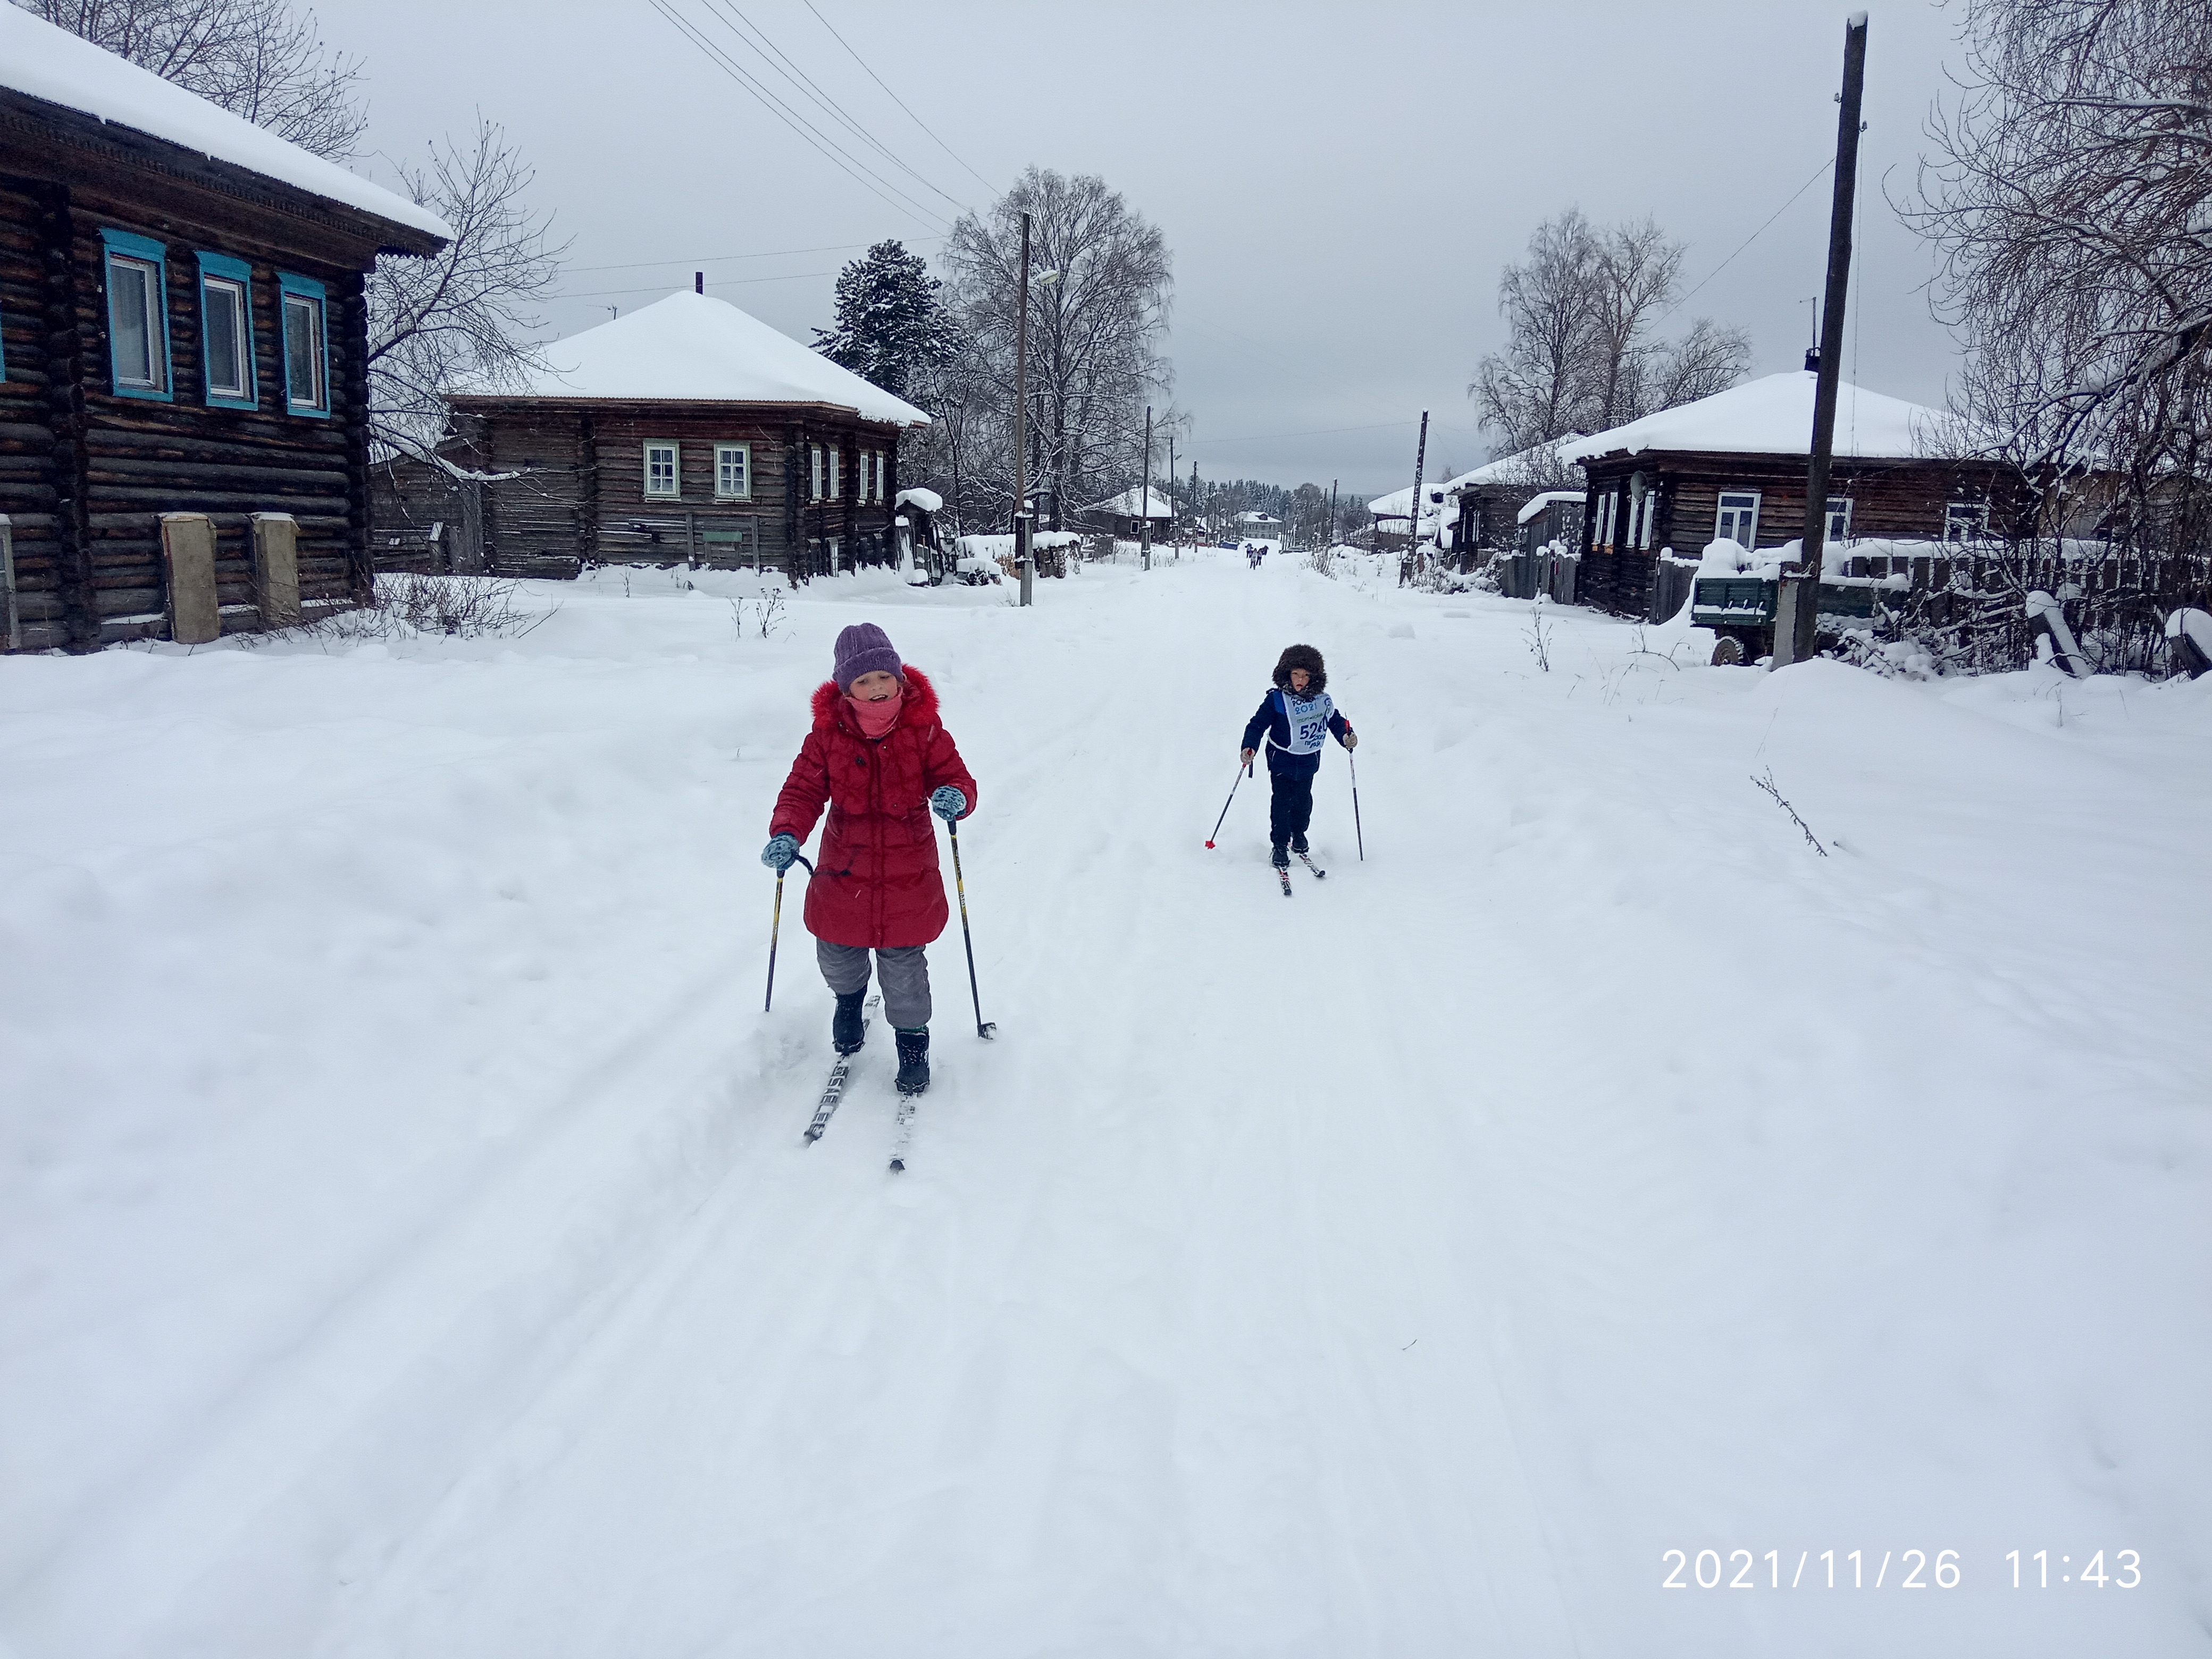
(698, 282)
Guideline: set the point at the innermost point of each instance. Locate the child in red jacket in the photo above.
(878, 759)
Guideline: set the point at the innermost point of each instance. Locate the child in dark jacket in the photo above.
(1294, 719)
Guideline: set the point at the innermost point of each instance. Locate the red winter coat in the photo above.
(875, 880)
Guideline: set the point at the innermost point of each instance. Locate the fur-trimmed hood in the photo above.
(917, 706)
(1306, 657)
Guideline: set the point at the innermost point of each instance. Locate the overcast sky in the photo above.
(1339, 185)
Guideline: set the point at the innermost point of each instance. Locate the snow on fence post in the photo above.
(188, 571)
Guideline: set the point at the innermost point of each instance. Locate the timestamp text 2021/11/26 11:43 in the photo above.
(1908, 1569)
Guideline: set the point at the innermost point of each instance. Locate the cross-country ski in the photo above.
(547, 636)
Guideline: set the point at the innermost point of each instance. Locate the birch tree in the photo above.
(1101, 284)
(2069, 196)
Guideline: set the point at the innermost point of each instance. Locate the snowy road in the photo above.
(407, 1246)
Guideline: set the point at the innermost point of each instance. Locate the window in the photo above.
(814, 485)
(307, 345)
(836, 492)
(137, 315)
(1737, 521)
(226, 332)
(663, 471)
(1966, 521)
(1839, 521)
(733, 470)
(880, 458)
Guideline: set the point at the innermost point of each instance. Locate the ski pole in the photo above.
(983, 1028)
(1244, 771)
(1352, 761)
(776, 927)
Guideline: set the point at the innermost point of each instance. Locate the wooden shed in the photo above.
(184, 439)
(1734, 465)
(687, 429)
(1123, 516)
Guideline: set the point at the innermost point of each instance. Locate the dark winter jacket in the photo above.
(875, 880)
(1314, 713)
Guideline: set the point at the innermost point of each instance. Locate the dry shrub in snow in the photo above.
(408, 607)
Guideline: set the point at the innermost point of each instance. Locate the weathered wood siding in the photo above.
(86, 472)
(578, 492)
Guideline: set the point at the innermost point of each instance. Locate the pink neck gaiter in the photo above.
(876, 718)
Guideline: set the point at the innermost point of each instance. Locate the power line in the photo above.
(658, 288)
(1310, 432)
(835, 153)
(719, 258)
(1747, 242)
(781, 61)
(895, 99)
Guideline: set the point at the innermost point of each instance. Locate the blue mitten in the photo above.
(779, 852)
(948, 802)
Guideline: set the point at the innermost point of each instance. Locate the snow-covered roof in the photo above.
(1505, 470)
(42, 61)
(693, 348)
(1257, 518)
(1536, 504)
(927, 500)
(1156, 506)
(1774, 416)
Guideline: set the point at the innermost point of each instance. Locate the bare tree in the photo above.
(1099, 294)
(2070, 197)
(461, 320)
(1536, 388)
(257, 59)
(1580, 312)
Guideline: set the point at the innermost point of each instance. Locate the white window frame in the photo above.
(880, 469)
(1839, 521)
(836, 479)
(675, 492)
(222, 290)
(304, 318)
(1973, 515)
(814, 486)
(722, 491)
(153, 318)
(1733, 502)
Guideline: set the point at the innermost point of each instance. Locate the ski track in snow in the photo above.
(407, 1245)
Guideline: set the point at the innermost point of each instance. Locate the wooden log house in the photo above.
(686, 430)
(184, 442)
(1734, 465)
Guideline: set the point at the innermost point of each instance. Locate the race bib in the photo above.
(1308, 718)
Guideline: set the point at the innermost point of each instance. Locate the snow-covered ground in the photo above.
(407, 1246)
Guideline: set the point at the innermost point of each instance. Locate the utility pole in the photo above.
(1799, 602)
(1413, 528)
(1144, 499)
(1329, 536)
(1022, 425)
(1172, 526)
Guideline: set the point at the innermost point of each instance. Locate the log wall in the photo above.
(577, 493)
(86, 473)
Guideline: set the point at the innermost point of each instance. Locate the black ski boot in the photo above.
(847, 1029)
(1298, 843)
(1281, 860)
(914, 1059)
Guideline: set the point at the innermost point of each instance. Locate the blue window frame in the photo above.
(307, 345)
(227, 365)
(138, 282)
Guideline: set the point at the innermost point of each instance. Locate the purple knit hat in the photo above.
(864, 648)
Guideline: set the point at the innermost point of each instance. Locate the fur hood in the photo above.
(918, 707)
(1306, 657)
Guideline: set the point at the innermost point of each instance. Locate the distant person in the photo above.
(879, 758)
(1293, 721)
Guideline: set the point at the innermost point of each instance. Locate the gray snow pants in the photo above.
(904, 972)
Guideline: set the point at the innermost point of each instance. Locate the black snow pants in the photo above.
(1290, 807)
